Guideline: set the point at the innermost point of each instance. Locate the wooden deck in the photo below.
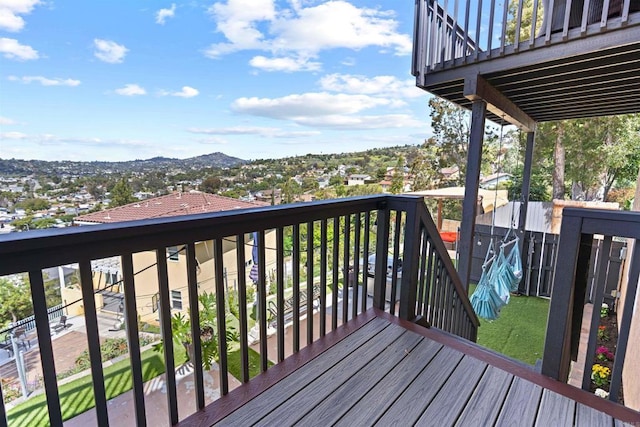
(380, 370)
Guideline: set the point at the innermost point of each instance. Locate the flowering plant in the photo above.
(604, 310)
(601, 393)
(603, 353)
(600, 375)
(602, 333)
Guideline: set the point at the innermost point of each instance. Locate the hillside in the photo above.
(16, 167)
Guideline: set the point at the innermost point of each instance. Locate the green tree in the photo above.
(16, 301)
(121, 194)
(397, 180)
(211, 184)
(291, 190)
(33, 205)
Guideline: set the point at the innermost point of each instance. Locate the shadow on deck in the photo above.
(378, 369)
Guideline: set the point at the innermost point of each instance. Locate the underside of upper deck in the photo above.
(575, 68)
(380, 370)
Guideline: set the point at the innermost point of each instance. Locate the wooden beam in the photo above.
(477, 88)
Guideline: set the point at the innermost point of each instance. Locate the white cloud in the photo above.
(284, 64)
(48, 139)
(378, 85)
(269, 132)
(302, 32)
(10, 11)
(12, 49)
(310, 104)
(7, 121)
(109, 51)
(44, 81)
(186, 92)
(163, 14)
(13, 135)
(212, 140)
(131, 90)
(343, 122)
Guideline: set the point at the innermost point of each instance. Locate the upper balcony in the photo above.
(552, 59)
(359, 317)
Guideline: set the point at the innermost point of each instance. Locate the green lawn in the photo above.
(76, 397)
(519, 331)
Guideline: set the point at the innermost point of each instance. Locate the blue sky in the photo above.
(124, 80)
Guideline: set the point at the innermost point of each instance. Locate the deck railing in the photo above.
(326, 245)
(451, 33)
(570, 292)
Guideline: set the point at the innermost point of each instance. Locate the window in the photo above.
(176, 300)
(155, 302)
(173, 253)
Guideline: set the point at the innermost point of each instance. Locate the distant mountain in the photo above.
(16, 167)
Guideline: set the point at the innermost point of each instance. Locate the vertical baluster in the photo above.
(345, 268)
(365, 259)
(585, 17)
(296, 287)
(602, 267)
(335, 270)
(44, 342)
(428, 292)
(242, 307)
(421, 275)
(356, 265)
(280, 290)
(516, 41)
(167, 336)
(625, 323)
(465, 43)
(549, 20)
(503, 35)
(194, 315)
(477, 37)
(131, 319)
(323, 277)
(567, 20)
(433, 39)
(454, 31)
(625, 12)
(382, 249)
(490, 30)
(534, 22)
(310, 297)
(443, 34)
(93, 338)
(394, 269)
(605, 15)
(220, 316)
(262, 302)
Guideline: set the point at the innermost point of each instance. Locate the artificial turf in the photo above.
(520, 330)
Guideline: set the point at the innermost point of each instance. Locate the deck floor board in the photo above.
(375, 402)
(385, 372)
(482, 409)
(452, 398)
(331, 408)
(287, 387)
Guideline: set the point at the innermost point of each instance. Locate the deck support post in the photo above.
(567, 299)
(526, 181)
(472, 181)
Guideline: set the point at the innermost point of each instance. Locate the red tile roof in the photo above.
(167, 206)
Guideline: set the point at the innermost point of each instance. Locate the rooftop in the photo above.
(174, 204)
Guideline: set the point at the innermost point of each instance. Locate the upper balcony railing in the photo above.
(317, 266)
(569, 296)
(450, 33)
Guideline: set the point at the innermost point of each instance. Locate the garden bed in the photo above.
(606, 341)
